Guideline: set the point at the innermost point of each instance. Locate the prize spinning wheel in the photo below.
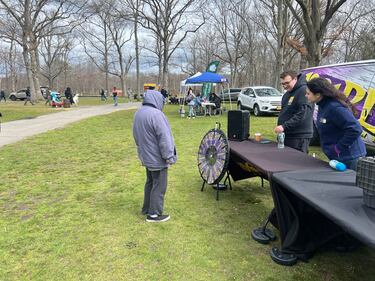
(213, 156)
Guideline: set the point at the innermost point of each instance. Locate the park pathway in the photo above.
(15, 131)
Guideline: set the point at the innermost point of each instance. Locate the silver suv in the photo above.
(260, 100)
(21, 94)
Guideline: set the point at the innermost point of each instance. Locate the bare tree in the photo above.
(120, 67)
(133, 15)
(314, 18)
(230, 26)
(274, 24)
(54, 53)
(199, 51)
(171, 21)
(32, 18)
(12, 61)
(96, 38)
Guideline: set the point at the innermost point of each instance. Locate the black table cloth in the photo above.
(314, 204)
(250, 159)
(315, 207)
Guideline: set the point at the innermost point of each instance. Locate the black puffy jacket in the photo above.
(296, 112)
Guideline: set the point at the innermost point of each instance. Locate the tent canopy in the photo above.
(206, 77)
(184, 84)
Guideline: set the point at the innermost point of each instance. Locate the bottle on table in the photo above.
(280, 140)
(337, 165)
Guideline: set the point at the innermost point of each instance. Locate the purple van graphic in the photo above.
(357, 81)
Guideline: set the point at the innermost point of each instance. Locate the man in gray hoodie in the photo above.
(156, 150)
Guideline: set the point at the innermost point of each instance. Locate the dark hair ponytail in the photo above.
(326, 89)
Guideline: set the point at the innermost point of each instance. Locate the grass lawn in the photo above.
(15, 110)
(70, 203)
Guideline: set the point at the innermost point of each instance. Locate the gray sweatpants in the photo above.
(155, 188)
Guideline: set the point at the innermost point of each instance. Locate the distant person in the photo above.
(69, 95)
(103, 96)
(195, 106)
(164, 93)
(295, 118)
(190, 99)
(115, 96)
(174, 99)
(156, 150)
(48, 97)
(129, 93)
(2, 96)
(28, 96)
(216, 100)
(339, 130)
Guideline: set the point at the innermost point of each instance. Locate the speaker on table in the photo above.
(238, 124)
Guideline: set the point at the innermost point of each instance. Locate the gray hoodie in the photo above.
(152, 133)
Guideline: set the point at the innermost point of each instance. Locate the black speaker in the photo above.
(238, 124)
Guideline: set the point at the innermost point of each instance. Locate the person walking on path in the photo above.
(295, 118)
(115, 97)
(103, 97)
(339, 130)
(2, 96)
(130, 94)
(156, 150)
(28, 96)
(48, 97)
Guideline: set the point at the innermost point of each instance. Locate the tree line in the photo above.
(93, 44)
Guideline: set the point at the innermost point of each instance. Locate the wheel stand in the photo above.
(220, 186)
(263, 234)
(279, 257)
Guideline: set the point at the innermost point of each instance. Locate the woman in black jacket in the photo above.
(69, 95)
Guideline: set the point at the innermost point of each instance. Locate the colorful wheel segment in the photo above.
(213, 156)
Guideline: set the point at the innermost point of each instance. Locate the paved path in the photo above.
(14, 131)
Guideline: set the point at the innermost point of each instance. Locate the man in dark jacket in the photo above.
(295, 118)
(156, 150)
(2, 95)
(28, 96)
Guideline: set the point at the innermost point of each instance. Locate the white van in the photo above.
(357, 81)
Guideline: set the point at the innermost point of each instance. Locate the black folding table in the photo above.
(313, 203)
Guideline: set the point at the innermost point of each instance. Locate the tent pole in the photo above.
(230, 99)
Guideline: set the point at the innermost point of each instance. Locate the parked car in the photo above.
(233, 93)
(260, 100)
(21, 94)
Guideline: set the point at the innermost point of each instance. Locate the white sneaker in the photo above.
(160, 218)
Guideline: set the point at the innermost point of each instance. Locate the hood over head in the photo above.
(154, 98)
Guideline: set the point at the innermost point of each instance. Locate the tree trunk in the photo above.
(280, 43)
(123, 85)
(35, 70)
(165, 66)
(138, 92)
(12, 62)
(106, 59)
(26, 59)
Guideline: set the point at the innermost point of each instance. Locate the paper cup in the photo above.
(258, 136)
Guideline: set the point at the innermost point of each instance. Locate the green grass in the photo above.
(72, 212)
(16, 110)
